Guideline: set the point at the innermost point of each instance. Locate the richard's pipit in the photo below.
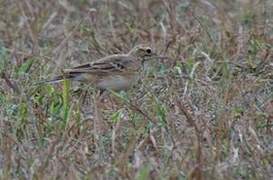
(114, 72)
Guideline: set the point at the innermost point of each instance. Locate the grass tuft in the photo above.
(202, 110)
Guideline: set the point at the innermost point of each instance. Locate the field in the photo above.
(202, 109)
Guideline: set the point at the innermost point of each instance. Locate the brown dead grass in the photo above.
(203, 112)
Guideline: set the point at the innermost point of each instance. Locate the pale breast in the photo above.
(116, 82)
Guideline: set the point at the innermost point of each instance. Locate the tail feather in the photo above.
(68, 75)
(57, 79)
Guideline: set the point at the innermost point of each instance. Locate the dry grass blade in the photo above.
(200, 109)
(196, 172)
(13, 86)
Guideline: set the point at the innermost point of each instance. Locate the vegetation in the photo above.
(203, 110)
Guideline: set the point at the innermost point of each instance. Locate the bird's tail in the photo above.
(57, 79)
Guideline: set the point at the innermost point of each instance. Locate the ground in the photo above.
(202, 110)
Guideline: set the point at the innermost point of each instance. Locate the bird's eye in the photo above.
(120, 66)
(149, 51)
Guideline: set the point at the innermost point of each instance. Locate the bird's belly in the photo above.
(116, 82)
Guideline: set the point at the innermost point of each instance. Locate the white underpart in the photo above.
(116, 82)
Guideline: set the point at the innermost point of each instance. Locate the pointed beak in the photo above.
(150, 56)
(153, 54)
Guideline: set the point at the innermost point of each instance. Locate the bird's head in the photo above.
(142, 51)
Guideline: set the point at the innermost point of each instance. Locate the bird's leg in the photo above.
(83, 95)
(105, 98)
(101, 93)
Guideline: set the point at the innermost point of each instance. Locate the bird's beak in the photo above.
(153, 54)
(149, 56)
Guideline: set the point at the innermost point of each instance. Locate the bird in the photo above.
(114, 72)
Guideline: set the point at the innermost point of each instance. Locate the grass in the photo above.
(204, 112)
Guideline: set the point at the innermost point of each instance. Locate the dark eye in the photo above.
(120, 66)
(149, 51)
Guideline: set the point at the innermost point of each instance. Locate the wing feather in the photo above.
(97, 69)
(114, 63)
